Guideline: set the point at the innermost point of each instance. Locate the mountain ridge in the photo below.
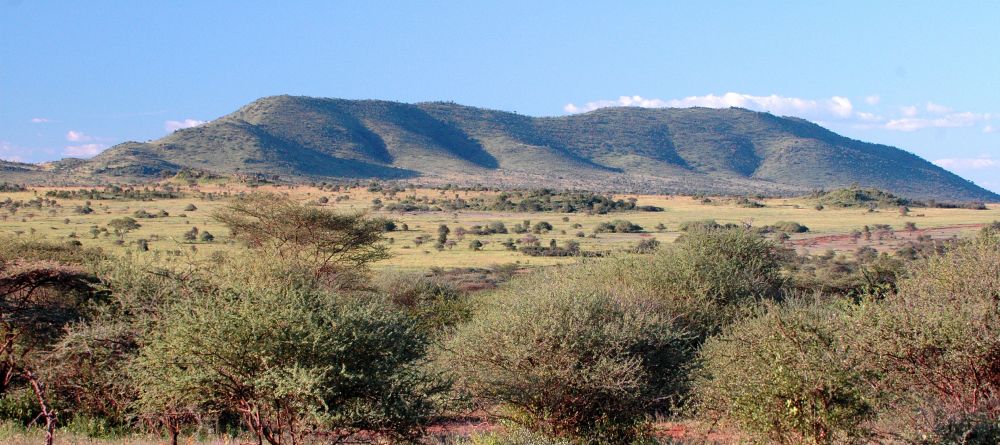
(628, 149)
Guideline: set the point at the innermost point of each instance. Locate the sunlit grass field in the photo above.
(166, 240)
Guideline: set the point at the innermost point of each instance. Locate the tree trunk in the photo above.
(172, 429)
(50, 416)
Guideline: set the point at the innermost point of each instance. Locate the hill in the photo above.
(692, 150)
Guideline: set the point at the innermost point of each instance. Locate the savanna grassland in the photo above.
(218, 312)
(414, 249)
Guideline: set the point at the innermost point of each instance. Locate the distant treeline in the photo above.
(117, 192)
(856, 196)
(10, 187)
(543, 200)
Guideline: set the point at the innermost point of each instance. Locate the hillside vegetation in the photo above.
(692, 150)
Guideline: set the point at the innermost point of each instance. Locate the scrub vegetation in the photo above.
(296, 321)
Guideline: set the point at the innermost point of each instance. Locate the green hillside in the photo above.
(693, 150)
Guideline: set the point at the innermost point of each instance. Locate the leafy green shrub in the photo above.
(438, 306)
(541, 227)
(968, 430)
(513, 436)
(784, 377)
(618, 226)
(724, 269)
(569, 362)
(856, 196)
(789, 227)
(19, 405)
(520, 436)
(934, 343)
(648, 245)
(704, 225)
(291, 361)
(833, 274)
(94, 427)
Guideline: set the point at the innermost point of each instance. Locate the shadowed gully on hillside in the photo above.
(691, 150)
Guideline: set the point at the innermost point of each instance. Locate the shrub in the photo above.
(649, 245)
(436, 305)
(789, 227)
(513, 436)
(497, 227)
(855, 196)
(968, 430)
(722, 270)
(568, 361)
(541, 227)
(141, 213)
(784, 377)
(704, 224)
(19, 405)
(86, 369)
(934, 343)
(618, 226)
(291, 362)
(43, 290)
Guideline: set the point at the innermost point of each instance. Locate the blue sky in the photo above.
(77, 77)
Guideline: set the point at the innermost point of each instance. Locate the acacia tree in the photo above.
(325, 239)
(38, 298)
(122, 226)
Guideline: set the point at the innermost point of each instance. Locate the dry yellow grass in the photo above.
(166, 234)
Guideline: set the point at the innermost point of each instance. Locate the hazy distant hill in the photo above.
(692, 150)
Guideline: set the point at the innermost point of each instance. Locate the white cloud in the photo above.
(841, 106)
(979, 163)
(832, 111)
(40, 120)
(937, 108)
(953, 120)
(836, 107)
(84, 150)
(869, 117)
(78, 136)
(172, 126)
(8, 152)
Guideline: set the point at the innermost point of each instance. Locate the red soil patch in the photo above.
(882, 240)
(679, 431)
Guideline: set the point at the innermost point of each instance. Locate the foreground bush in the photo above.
(513, 436)
(935, 344)
(290, 363)
(438, 306)
(706, 279)
(569, 362)
(916, 364)
(44, 288)
(784, 377)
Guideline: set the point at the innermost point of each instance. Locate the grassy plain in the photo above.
(166, 240)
